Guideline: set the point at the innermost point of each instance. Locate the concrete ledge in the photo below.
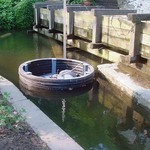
(48, 131)
(126, 84)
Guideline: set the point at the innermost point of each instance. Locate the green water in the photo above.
(95, 118)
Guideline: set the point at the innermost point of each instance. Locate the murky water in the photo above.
(97, 118)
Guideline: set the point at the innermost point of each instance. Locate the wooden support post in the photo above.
(70, 23)
(135, 45)
(37, 16)
(51, 19)
(97, 29)
(134, 51)
(97, 26)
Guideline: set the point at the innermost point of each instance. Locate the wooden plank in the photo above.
(145, 51)
(145, 39)
(116, 32)
(146, 27)
(99, 12)
(117, 22)
(60, 6)
(73, 7)
(82, 8)
(83, 19)
(59, 27)
(83, 33)
(55, 6)
(59, 16)
(44, 4)
(117, 42)
(138, 17)
(96, 45)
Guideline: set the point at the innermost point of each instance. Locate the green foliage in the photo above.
(16, 14)
(75, 1)
(9, 117)
(23, 13)
(6, 15)
(80, 2)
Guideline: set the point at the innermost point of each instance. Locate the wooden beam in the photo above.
(97, 29)
(51, 19)
(70, 23)
(76, 7)
(99, 12)
(82, 8)
(135, 18)
(60, 6)
(134, 51)
(55, 6)
(44, 4)
(37, 16)
(96, 45)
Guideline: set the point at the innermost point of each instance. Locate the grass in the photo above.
(9, 117)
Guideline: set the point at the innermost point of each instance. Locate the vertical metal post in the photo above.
(64, 28)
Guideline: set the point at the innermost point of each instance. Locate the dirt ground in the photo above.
(24, 139)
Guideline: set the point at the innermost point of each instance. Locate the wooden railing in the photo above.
(135, 21)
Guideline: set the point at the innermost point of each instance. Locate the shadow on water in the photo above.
(99, 117)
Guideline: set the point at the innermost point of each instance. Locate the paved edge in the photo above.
(125, 84)
(47, 130)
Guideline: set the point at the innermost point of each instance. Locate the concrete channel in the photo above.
(131, 82)
(47, 130)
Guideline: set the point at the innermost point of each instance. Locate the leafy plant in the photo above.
(6, 15)
(16, 14)
(9, 117)
(80, 2)
(24, 14)
(75, 1)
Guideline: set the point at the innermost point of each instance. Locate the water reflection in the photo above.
(133, 125)
(55, 94)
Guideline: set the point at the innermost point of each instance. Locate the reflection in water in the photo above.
(97, 118)
(131, 123)
(55, 94)
(63, 109)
